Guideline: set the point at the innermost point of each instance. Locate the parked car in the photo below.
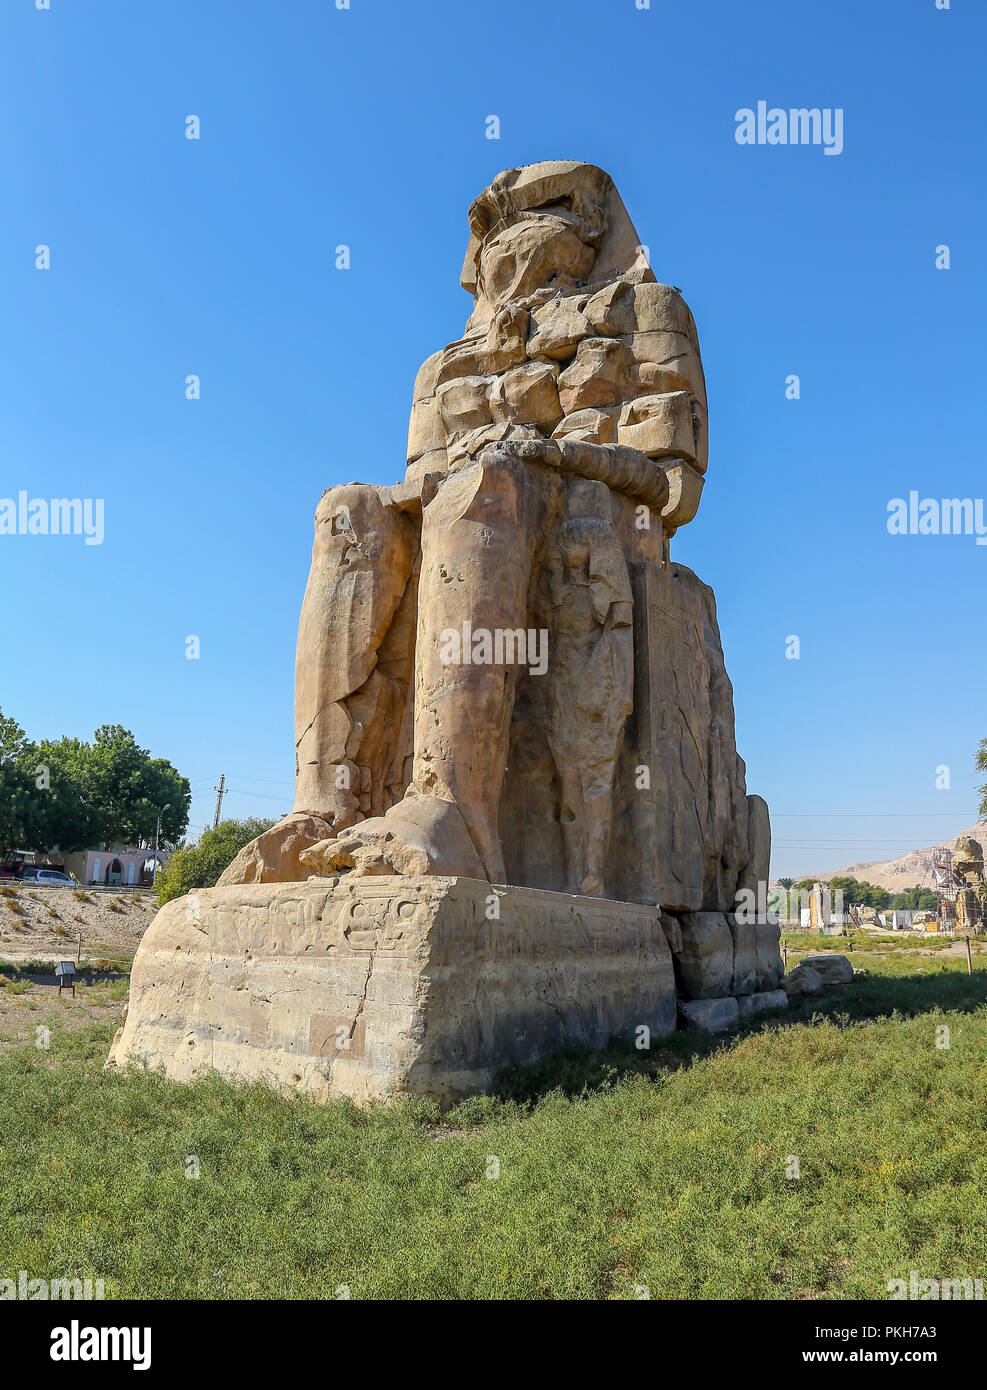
(49, 878)
(17, 870)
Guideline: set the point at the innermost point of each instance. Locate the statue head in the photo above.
(555, 225)
(968, 859)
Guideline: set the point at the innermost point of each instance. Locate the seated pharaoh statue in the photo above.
(501, 674)
(520, 819)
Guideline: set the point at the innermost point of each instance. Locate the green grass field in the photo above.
(664, 1169)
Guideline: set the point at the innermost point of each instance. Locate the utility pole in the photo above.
(157, 837)
(221, 792)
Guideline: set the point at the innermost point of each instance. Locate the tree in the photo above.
(853, 892)
(130, 788)
(13, 739)
(72, 795)
(861, 894)
(786, 883)
(980, 762)
(200, 865)
(69, 818)
(916, 898)
(17, 792)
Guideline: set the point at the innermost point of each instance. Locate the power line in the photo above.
(265, 796)
(889, 815)
(807, 840)
(275, 781)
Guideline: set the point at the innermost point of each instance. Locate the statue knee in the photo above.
(491, 492)
(500, 467)
(350, 507)
(358, 524)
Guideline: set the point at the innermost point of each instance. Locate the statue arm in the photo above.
(622, 468)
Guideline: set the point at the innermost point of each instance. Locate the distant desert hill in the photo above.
(912, 868)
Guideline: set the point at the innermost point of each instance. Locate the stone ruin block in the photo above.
(372, 987)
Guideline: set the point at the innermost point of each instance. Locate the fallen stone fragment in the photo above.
(834, 970)
(802, 980)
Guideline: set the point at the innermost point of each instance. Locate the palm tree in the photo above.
(980, 763)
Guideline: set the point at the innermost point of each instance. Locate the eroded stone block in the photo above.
(746, 975)
(710, 1015)
(765, 1002)
(833, 970)
(802, 980)
(369, 987)
(705, 964)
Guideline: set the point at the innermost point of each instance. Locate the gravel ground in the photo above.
(47, 922)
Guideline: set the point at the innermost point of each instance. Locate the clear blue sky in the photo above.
(366, 127)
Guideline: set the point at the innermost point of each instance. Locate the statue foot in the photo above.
(419, 836)
(274, 856)
(590, 886)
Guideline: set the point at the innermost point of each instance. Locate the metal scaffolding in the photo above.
(945, 884)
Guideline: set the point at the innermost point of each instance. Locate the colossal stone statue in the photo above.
(520, 818)
(968, 875)
(553, 452)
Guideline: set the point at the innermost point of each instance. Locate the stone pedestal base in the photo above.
(370, 987)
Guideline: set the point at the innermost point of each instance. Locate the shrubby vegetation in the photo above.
(668, 1168)
(199, 865)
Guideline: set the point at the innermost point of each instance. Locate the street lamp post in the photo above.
(157, 836)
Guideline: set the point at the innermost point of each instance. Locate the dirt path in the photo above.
(920, 946)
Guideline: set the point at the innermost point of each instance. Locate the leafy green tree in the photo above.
(199, 865)
(69, 817)
(847, 885)
(17, 791)
(70, 795)
(854, 891)
(916, 898)
(980, 762)
(13, 739)
(778, 899)
(860, 893)
(129, 787)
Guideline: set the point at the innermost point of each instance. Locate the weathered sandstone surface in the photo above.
(502, 678)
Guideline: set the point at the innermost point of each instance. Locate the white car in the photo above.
(49, 878)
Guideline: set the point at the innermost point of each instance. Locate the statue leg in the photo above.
(347, 711)
(479, 542)
(349, 695)
(585, 734)
(590, 682)
(480, 538)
